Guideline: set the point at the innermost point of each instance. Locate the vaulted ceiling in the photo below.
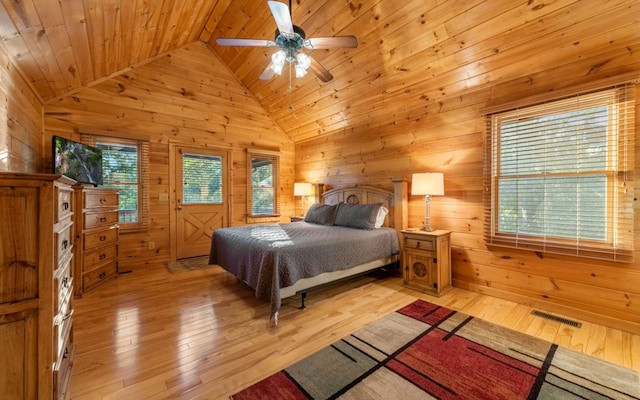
(411, 53)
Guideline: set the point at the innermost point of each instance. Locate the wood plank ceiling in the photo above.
(410, 54)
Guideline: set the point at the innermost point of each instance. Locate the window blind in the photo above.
(559, 176)
(262, 178)
(141, 221)
(201, 179)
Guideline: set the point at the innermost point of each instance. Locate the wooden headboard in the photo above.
(370, 195)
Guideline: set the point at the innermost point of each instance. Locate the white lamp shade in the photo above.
(431, 183)
(302, 189)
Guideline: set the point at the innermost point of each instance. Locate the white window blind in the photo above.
(559, 176)
(201, 179)
(126, 167)
(263, 173)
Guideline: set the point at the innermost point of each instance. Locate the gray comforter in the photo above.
(270, 257)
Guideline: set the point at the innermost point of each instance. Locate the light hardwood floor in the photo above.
(202, 335)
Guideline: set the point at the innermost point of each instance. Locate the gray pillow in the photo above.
(360, 216)
(321, 214)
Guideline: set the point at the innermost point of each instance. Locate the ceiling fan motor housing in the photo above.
(290, 42)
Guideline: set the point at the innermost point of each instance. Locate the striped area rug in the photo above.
(424, 351)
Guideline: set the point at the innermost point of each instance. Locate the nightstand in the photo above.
(426, 258)
(296, 218)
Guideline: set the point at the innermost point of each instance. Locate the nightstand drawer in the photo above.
(422, 244)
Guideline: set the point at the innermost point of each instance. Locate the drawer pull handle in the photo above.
(103, 238)
(103, 219)
(103, 200)
(418, 245)
(103, 256)
(65, 205)
(66, 353)
(65, 244)
(65, 282)
(69, 314)
(102, 275)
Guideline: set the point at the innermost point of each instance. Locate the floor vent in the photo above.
(565, 321)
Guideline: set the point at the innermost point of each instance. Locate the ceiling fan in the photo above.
(291, 40)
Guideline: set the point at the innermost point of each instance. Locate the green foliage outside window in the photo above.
(120, 171)
(262, 183)
(563, 192)
(201, 179)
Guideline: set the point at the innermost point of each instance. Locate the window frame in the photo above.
(618, 242)
(142, 225)
(274, 157)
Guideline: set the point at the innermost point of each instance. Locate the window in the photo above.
(559, 176)
(262, 196)
(201, 179)
(125, 166)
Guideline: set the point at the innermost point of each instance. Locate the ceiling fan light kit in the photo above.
(291, 39)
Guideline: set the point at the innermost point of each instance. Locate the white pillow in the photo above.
(382, 212)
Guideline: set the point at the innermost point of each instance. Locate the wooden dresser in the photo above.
(36, 324)
(96, 234)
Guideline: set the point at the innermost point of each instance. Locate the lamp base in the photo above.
(427, 214)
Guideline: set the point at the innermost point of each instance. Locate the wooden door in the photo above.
(201, 204)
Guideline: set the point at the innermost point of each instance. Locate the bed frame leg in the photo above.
(303, 296)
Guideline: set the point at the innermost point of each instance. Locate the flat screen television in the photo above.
(78, 161)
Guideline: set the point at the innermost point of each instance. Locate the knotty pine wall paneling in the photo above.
(187, 97)
(21, 122)
(447, 136)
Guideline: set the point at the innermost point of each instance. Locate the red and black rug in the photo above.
(424, 351)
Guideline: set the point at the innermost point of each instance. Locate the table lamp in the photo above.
(427, 184)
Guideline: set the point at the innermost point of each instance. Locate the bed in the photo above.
(281, 260)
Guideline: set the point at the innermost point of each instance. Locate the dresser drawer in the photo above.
(100, 238)
(63, 207)
(62, 285)
(94, 259)
(422, 244)
(99, 275)
(96, 199)
(62, 371)
(63, 243)
(100, 219)
(62, 332)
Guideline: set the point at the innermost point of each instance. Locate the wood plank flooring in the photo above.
(203, 335)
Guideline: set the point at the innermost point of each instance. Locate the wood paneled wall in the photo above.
(190, 98)
(447, 136)
(20, 121)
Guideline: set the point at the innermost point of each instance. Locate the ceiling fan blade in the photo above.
(224, 41)
(268, 73)
(281, 14)
(320, 71)
(332, 42)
